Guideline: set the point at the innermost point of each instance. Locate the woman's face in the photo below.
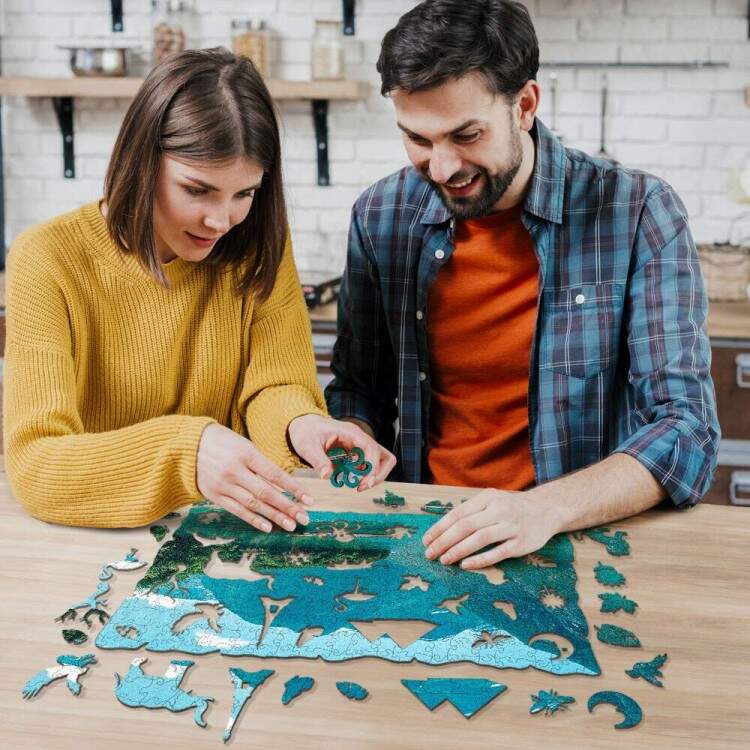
(197, 203)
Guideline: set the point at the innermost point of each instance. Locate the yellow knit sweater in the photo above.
(110, 378)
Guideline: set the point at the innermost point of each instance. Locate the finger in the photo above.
(470, 507)
(482, 537)
(492, 556)
(242, 512)
(268, 470)
(315, 454)
(262, 497)
(387, 462)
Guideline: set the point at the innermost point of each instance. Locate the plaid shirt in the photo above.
(620, 360)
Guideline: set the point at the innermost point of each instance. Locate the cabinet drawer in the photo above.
(730, 369)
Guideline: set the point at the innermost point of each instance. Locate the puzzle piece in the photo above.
(630, 710)
(138, 689)
(245, 684)
(352, 691)
(349, 467)
(550, 702)
(617, 602)
(70, 667)
(295, 687)
(608, 576)
(437, 507)
(616, 636)
(649, 670)
(390, 500)
(467, 695)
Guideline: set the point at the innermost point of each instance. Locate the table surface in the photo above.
(687, 571)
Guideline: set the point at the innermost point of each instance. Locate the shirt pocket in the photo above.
(581, 328)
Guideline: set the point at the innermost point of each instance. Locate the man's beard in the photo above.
(495, 187)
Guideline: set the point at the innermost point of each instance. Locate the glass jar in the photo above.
(251, 39)
(327, 50)
(171, 23)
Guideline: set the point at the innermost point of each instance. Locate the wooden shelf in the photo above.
(63, 92)
(126, 88)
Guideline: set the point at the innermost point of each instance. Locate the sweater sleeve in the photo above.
(59, 472)
(280, 381)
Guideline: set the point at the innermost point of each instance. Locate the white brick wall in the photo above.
(689, 126)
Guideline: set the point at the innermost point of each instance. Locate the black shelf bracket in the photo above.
(320, 120)
(64, 111)
(348, 17)
(117, 15)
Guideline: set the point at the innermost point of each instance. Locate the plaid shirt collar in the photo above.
(544, 198)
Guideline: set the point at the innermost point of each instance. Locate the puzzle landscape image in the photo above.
(219, 585)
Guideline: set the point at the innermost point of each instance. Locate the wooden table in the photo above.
(688, 573)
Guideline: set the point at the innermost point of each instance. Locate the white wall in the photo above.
(689, 126)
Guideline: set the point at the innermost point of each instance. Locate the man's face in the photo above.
(464, 140)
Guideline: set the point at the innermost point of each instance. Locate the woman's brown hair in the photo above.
(205, 106)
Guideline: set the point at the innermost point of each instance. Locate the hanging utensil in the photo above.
(603, 153)
(553, 104)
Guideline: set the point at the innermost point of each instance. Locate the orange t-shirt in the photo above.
(480, 324)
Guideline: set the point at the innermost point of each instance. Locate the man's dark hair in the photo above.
(443, 39)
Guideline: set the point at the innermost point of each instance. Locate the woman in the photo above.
(158, 344)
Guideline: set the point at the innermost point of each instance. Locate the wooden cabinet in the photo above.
(729, 328)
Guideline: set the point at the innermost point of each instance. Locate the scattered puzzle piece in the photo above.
(245, 684)
(71, 668)
(630, 710)
(352, 691)
(437, 507)
(467, 695)
(549, 702)
(349, 467)
(94, 607)
(616, 544)
(295, 687)
(158, 532)
(617, 602)
(390, 500)
(649, 670)
(616, 636)
(608, 576)
(138, 689)
(75, 637)
(130, 562)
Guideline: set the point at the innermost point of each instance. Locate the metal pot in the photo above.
(98, 61)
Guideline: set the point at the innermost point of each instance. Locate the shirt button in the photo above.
(580, 299)
(439, 254)
(420, 315)
(423, 376)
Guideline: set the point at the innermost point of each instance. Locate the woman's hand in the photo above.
(312, 435)
(235, 475)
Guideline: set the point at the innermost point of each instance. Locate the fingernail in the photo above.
(307, 500)
(266, 527)
(445, 559)
(303, 518)
(429, 553)
(288, 524)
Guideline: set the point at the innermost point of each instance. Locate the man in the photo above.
(530, 318)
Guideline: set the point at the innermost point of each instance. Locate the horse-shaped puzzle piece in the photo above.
(93, 607)
(71, 668)
(138, 689)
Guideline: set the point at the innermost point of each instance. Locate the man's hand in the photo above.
(514, 523)
(312, 435)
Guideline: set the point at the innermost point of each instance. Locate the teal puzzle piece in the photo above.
(352, 691)
(245, 684)
(295, 687)
(628, 707)
(467, 695)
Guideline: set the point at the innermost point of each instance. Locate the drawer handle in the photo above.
(743, 370)
(739, 482)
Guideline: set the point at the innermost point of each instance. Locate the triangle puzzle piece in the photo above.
(467, 695)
